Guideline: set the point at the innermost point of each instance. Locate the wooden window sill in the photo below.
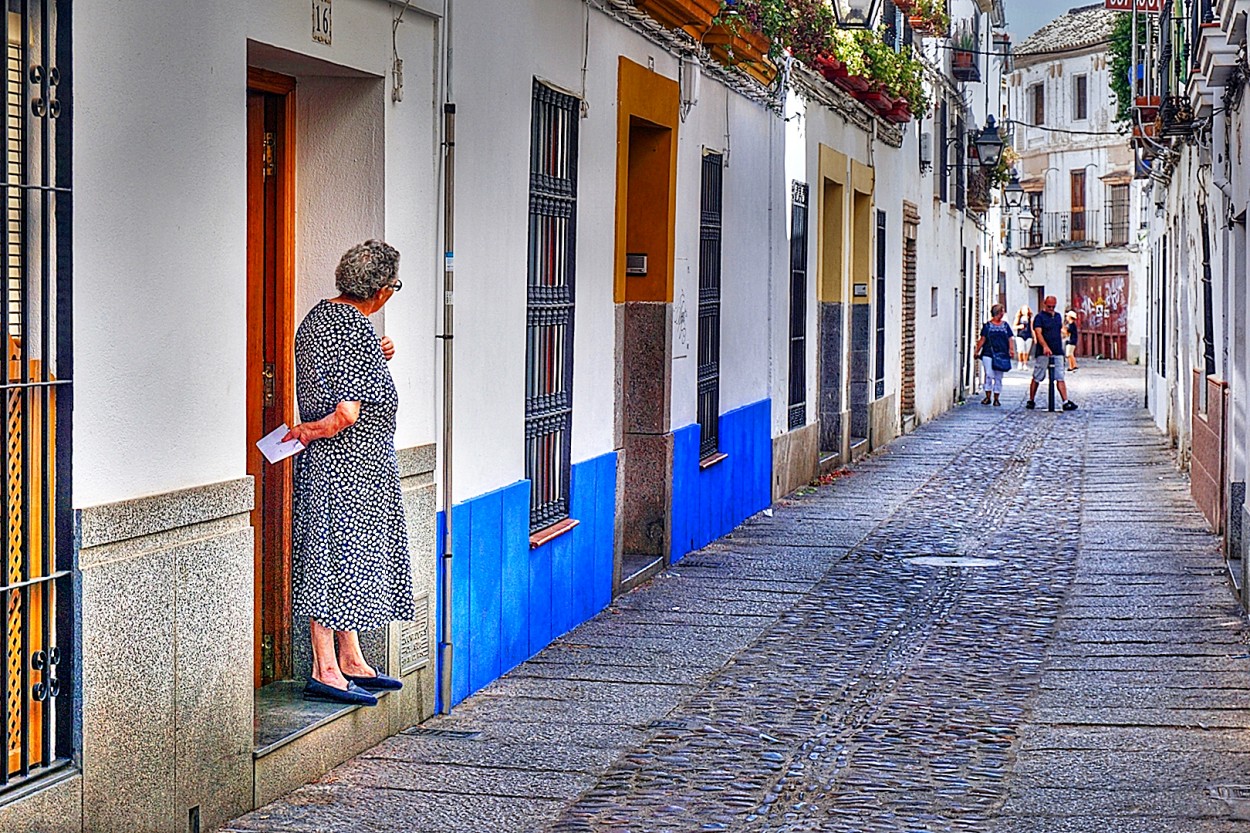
(712, 459)
(550, 533)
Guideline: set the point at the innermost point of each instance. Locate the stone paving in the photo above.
(1007, 621)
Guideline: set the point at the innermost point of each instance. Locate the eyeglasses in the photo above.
(398, 285)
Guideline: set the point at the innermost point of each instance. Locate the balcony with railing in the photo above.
(1073, 230)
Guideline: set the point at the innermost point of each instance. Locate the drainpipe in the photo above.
(445, 646)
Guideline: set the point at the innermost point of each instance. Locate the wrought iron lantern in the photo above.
(1026, 220)
(1013, 194)
(857, 14)
(989, 144)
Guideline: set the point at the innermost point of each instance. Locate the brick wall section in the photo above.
(1206, 464)
(907, 385)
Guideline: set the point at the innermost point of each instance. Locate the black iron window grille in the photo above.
(549, 313)
(35, 654)
(798, 305)
(879, 301)
(1118, 215)
(709, 304)
(961, 173)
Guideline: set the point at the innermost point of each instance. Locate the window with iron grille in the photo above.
(961, 172)
(1118, 215)
(944, 171)
(709, 304)
(1080, 95)
(1037, 94)
(549, 315)
(35, 654)
(879, 300)
(798, 305)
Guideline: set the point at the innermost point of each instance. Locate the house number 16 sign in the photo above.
(321, 21)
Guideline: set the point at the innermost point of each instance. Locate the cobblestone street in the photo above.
(1006, 621)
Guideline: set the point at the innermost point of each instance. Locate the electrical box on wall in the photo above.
(636, 264)
(926, 150)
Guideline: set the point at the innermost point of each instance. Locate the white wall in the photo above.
(159, 248)
(160, 227)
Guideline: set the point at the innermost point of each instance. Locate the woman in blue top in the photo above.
(995, 349)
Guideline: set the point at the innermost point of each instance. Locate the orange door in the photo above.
(270, 400)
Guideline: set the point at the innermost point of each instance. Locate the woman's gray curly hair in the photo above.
(366, 268)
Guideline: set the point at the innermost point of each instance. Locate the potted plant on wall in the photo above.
(964, 47)
(743, 35)
(930, 17)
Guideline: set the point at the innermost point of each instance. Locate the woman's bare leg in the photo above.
(351, 659)
(325, 663)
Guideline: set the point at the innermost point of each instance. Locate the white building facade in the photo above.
(681, 281)
(1087, 242)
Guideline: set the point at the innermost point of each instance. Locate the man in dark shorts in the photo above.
(1047, 351)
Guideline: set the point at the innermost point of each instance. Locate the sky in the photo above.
(1024, 17)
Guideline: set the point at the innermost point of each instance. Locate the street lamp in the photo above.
(1013, 194)
(989, 144)
(1026, 219)
(857, 14)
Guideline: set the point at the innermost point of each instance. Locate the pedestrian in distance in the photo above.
(1073, 336)
(995, 349)
(1048, 352)
(349, 549)
(1024, 335)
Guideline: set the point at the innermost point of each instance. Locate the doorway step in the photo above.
(638, 568)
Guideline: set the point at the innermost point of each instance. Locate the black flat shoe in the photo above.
(379, 683)
(354, 695)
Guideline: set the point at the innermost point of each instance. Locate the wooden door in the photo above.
(270, 382)
(1078, 205)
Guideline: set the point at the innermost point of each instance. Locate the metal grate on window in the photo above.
(549, 313)
(709, 304)
(879, 300)
(35, 653)
(798, 305)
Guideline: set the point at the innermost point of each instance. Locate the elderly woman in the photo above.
(349, 555)
(994, 348)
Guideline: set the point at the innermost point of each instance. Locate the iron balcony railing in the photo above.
(1064, 229)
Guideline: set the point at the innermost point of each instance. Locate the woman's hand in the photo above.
(388, 348)
(343, 416)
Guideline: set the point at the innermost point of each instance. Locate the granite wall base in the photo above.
(796, 457)
(167, 612)
(830, 407)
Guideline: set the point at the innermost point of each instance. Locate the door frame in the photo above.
(272, 610)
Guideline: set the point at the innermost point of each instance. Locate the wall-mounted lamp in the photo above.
(989, 144)
(1026, 220)
(857, 14)
(691, 71)
(1013, 194)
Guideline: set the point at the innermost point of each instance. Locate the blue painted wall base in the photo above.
(509, 601)
(709, 503)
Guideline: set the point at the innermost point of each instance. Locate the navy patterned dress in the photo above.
(349, 555)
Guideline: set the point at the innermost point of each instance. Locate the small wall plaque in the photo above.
(636, 264)
(860, 290)
(321, 21)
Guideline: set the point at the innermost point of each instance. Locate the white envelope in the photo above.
(274, 449)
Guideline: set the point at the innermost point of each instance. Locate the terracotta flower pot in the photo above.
(694, 17)
(853, 84)
(830, 67)
(900, 113)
